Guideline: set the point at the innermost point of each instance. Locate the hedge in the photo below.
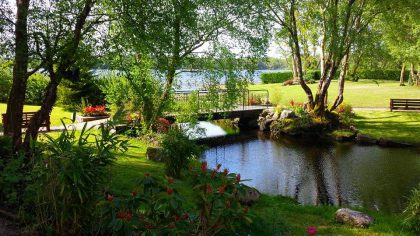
(313, 75)
(380, 75)
(276, 77)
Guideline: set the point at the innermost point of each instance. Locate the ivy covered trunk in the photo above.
(13, 127)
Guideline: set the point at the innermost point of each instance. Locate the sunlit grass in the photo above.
(364, 93)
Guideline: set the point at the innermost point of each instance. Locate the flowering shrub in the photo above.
(294, 104)
(156, 208)
(163, 125)
(345, 114)
(99, 110)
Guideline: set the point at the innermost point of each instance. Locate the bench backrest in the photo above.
(405, 104)
(26, 117)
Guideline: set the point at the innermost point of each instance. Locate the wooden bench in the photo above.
(26, 117)
(404, 104)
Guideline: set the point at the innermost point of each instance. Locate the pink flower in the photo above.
(311, 230)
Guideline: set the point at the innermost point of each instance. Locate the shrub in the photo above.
(312, 75)
(154, 208)
(345, 114)
(178, 150)
(412, 212)
(277, 77)
(68, 176)
(36, 89)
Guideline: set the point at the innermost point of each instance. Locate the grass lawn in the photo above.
(399, 126)
(364, 93)
(57, 113)
(272, 214)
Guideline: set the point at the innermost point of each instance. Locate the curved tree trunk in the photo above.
(13, 126)
(341, 80)
(402, 75)
(412, 75)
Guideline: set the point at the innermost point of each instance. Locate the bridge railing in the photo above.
(223, 100)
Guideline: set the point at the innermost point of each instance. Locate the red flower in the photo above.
(149, 226)
(218, 166)
(164, 121)
(169, 191)
(171, 226)
(134, 194)
(125, 215)
(170, 180)
(225, 171)
(213, 174)
(177, 218)
(311, 230)
(186, 216)
(246, 209)
(238, 178)
(209, 188)
(203, 166)
(109, 197)
(221, 189)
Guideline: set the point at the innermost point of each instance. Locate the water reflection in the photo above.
(316, 173)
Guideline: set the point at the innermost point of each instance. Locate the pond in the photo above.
(318, 173)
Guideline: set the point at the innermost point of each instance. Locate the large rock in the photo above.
(264, 123)
(353, 218)
(154, 154)
(287, 114)
(364, 139)
(249, 196)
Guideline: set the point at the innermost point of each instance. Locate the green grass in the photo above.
(56, 115)
(398, 126)
(364, 93)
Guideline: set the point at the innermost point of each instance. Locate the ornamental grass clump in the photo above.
(412, 212)
(69, 175)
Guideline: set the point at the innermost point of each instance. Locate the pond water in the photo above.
(318, 173)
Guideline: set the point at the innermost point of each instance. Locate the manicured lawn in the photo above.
(400, 126)
(56, 115)
(359, 94)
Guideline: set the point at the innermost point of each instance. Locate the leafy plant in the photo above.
(150, 209)
(68, 177)
(156, 208)
(412, 212)
(178, 150)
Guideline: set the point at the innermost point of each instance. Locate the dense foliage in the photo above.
(412, 212)
(156, 207)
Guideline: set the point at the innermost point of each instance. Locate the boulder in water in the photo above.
(287, 114)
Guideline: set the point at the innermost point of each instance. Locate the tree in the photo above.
(13, 126)
(170, 32)
(339, 23)
(400, 27)
(58, 39)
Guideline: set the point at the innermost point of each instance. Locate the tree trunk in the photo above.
(43, 113)
(341, 80)
(418, 76)
(402, 75)
(412, 75)
(297, 57)
(13, 127)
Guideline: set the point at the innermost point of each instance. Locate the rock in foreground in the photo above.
(353, 218)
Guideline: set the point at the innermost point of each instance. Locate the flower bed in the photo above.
(91, 113)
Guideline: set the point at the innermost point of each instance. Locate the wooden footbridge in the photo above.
(247, 105)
